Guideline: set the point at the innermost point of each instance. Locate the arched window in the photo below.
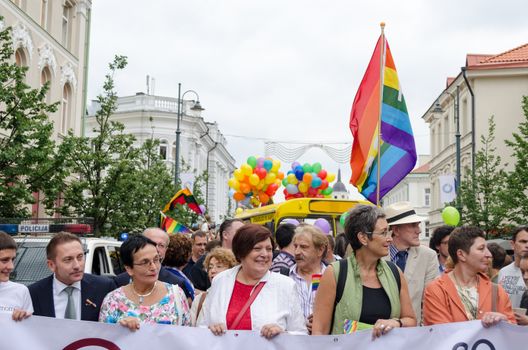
(45, 76)
(163, 149)
(20, 57)
(65, 107)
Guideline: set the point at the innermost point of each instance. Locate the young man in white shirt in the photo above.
(14, 297)
(510, 277)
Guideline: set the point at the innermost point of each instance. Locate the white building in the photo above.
(202, 145)
(51, 38)
(498, 83)
(415, 188)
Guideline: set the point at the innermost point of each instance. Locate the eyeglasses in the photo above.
(444, 243)
(385, 233)
(146, 263)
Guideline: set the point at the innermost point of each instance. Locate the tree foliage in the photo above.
(481, 195)
(517, 180)
(100, 163)
(27, 151)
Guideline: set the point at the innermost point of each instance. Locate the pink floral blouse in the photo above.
(171, 309)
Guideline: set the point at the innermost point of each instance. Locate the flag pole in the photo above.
(382, 72)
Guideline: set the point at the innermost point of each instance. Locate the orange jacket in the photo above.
(441, 303)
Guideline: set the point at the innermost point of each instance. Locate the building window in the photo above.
(44, 13)
(45, 77)
(174, 150)
(427, 197)
(163, 148)
(67, 16)
(427, 231)
(20, 58)
(65, 108)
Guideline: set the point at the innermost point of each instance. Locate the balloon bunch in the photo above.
(307, 181)
(256, 181)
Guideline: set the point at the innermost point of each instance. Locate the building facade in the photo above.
(202, 145)
(51, 38)
(498, 83)
(415, 188)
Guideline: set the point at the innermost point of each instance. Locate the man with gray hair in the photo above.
(161, 238)
(418, 263)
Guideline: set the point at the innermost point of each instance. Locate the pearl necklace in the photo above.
(142, 296)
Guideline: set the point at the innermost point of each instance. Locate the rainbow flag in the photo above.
(397, 150)
(182, 197)
(316, 280)
(171, 226)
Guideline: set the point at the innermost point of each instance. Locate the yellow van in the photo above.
(302, 209)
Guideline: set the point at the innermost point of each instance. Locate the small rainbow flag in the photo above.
(172, 226)
(316, 280)
(349, 326)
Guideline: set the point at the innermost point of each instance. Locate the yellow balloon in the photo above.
(303, 187)
(238, 175)
(246, 169)
(233, 183)
(270, 178)
(330, 177)
(239, 210)
(261, 184)
(292, 179)
(276, 165)
(254, 179)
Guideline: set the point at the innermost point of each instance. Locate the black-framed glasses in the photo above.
(385, 233)
(146, 263)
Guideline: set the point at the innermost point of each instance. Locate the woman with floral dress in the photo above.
(144, 299)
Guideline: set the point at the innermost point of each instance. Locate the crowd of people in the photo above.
(375, 276)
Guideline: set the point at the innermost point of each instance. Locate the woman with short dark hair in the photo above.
(145, 299)
(249, 296)
(371, 296)
(465, 292)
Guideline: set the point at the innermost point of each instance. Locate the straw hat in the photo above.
(401, 213)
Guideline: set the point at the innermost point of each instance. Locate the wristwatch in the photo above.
(399, 321)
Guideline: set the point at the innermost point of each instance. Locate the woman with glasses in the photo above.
(144, 299)
(363, 291)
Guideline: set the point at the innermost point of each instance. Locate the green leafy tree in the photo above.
(143, 192)
(517, 182)
(27, 151)
(481, 195)
(101, 163)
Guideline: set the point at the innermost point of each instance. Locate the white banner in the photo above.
(46, 333)
(447, 188)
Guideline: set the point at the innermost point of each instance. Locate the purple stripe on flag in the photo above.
(397, 137)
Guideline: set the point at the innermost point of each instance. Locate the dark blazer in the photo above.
(93, 288)
(164, 276)
(198, 276)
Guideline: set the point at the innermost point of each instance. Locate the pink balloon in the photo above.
(323, 225)
(202, 208)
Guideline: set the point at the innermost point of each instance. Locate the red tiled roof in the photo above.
(422, 169)
(449, 81)
(516, 57)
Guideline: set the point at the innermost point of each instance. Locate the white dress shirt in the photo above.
(60, 298)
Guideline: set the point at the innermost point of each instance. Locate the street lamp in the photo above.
(195, 107)
(438, 109)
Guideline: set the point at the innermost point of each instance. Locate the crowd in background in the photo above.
(376, 275)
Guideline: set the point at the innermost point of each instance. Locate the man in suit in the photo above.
(69, 292)
(418, 263)
(161, 238)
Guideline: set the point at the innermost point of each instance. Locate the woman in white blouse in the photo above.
(275, 307)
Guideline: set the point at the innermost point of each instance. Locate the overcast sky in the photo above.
(283, 70)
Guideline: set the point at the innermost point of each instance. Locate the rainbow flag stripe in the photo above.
(172, 226)
(397, 150)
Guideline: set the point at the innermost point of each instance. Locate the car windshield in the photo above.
(30, 263)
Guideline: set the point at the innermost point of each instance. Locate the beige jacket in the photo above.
(420, 269)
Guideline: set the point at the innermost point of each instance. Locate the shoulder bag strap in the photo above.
(200, 304)
(341, 280)
(248, 303)
(396, 273)
(493, 297)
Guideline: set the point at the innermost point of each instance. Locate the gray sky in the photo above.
(288, 70)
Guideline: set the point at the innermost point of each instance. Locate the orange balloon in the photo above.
(307, 178)
(244, 187)
(239, 196)
(264, 198)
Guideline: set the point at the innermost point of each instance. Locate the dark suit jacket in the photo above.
(94, 288)
(164, 276)
(198, 276)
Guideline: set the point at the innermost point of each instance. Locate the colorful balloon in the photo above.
(252, 162)
(342, 219)
(451, 216)
(316, 167)
(323, 225)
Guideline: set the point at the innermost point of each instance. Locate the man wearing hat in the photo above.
(418, 263)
